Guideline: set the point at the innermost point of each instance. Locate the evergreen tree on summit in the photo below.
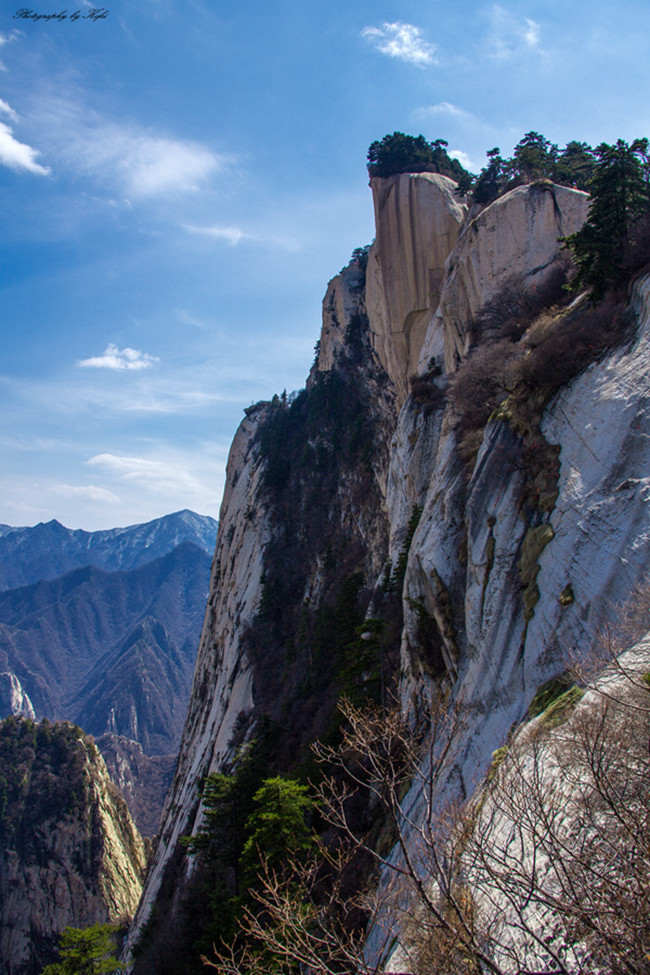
(400, 153)
(620, 197)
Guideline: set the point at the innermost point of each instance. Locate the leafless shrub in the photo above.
(477, 388)
(545, 872)
(560, 850)
(579, 338)
(509, 313)
(426, 392)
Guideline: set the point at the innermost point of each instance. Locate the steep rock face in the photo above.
(222, 688)
(143, 780)
(302, 534)
(495, 588)
(418, 218)
(516, 237)
(341, 305)
(467, 562)
(71, 854)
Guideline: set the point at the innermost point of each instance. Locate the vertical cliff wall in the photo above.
(302, 539)
(417, 219)
(508, 557)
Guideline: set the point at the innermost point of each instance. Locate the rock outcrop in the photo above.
(418, 218)
(71, 854)
(499, 566)
(13, 699)
(514, 240)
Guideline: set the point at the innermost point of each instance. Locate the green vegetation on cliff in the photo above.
(87, 951)
(43, 777)
(399, 153)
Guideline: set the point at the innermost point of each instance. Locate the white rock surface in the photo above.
(601, 548)
(340, 304)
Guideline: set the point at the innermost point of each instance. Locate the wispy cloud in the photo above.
(114, 358)
(185, 318)
(138, 162)
(87, 492)
(6, 39)
(7, 110)
(166, 474)
(402, 41)
(147, 165)
(169, 394)
(509, 34)
(14, 154)
(445, 109)
(234, 236)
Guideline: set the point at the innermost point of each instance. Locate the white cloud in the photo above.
(6, 109)
(464, 160)
(185, 318)
(114, 358)
(165, 475)
(234, 235)
(88, 492)
(531, 33)
(445, 108)
(17, 155)
(509, 34)
(139, 162)
(6, 39)
(403, 41)
(147, 165)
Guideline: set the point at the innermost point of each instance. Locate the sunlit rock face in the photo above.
(343, 302)
(470, 536)
(71, 854)
(515, 239)
(418, 218)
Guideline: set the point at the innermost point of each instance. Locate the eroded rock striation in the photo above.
(487, 567)
(418, 219)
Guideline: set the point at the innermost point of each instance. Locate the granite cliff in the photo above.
(464, 471)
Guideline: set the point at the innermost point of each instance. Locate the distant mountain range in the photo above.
(49, 550)
(102, 629)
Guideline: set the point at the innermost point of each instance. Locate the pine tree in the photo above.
(620, 196)
(87, 951)
(277, 829)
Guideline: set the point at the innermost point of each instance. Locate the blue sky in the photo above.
(179, 182)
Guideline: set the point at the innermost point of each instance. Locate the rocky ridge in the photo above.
(505, 565)
(71, 854)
